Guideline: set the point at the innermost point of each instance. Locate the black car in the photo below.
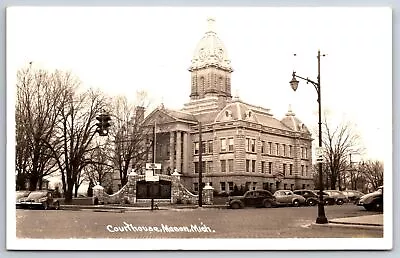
(339, 197)
(311, 197)
(372, 201)
(39, 199)
(328, 200)
(253, 198)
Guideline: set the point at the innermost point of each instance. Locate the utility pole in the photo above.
(200, 167)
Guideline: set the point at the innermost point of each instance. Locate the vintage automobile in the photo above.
(372, 201)
(20, 196)
(40, 199)
(339, 197)
(287, 197)
(353, 195)
(253, 198)
(328, 200)
(311, 197)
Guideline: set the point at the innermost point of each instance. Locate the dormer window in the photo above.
(228, 114)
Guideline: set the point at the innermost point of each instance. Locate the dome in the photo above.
(290, 120)
(236, 111)
(210, 51)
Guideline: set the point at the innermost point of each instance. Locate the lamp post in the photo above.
(321, 219)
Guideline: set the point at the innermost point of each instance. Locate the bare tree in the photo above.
(338, 144)
(372, 170)
(129, 136)
(100, 170)
(76, 128)
(36, 115)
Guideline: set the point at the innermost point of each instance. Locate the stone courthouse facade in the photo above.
(242, 144)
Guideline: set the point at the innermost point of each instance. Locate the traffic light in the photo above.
(103, 124)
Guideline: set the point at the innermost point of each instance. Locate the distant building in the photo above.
(242, 144)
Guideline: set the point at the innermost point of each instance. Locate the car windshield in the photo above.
(35, 195)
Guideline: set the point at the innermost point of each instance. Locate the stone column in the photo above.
(178, 151)
(175, 192)
(208, 194)
(171, 150)
(185, 153)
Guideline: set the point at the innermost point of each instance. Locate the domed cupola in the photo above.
(236, 111)
(211, 67)
(291, 121)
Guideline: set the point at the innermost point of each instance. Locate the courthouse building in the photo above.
(242, 144)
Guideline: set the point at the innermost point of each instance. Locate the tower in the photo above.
(210, 69)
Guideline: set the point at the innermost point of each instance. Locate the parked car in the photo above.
(339, 197)
(20, 196)
(287, 197)
(353, 195)
(40, 199)
(372, 201)
(255, 198)
(328, 200)
(311, 197)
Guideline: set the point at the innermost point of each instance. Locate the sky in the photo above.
(122, 50)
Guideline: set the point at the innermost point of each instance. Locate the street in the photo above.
(284, 222)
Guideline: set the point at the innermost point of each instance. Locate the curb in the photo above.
(122, 209)
(348, 226)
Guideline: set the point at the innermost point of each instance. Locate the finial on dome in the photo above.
(290, 112)
(211, 24)
(236, 97)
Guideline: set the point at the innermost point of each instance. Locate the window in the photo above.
(209, 166)
(203, 147)
(277, 149)
(284, 169)
(292, 187)
(230, 165)
(306, 172)
(270, 186)
(265, 186)
(290, 150)
(223, 166)
(247, 165)
(302, 152)
(230, 184)
(222, 184)
(196, 167)
(210, 147)
(302, 170)
(203, 167)
(248, 185)
(269, 147)
(253, 166)
(254, 185)
(290, 169)
(304, 186)
(230, 144)
(196, 187)
(284, 186)
(223, 144)
(250, 145)
(262, 146)
(196, 148)
(253, 145)
(284, 150)
(262, 166)
(269, 167)
(305, 153)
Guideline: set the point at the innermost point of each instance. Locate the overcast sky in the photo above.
(122, 50)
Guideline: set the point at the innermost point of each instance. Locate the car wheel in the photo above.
(57, 206)
(378, 206)
(296, 203)
(45, 206)
(235, 205)
(367, 207)
(311, 202)
(267, 204)
(339, 202)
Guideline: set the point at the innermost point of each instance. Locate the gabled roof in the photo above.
(163, 115)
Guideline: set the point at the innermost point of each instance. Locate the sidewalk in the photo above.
(372, 222)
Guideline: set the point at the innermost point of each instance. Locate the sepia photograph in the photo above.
(199, 128)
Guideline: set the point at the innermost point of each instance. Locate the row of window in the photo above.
(266, 167)
(227, 145)
(228, 186)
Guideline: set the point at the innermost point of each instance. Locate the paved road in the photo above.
(285, 222)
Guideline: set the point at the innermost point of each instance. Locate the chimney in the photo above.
(139, 114)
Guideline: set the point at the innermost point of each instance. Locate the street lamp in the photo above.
(294, 83)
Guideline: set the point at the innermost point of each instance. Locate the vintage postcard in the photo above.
(199, 128)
